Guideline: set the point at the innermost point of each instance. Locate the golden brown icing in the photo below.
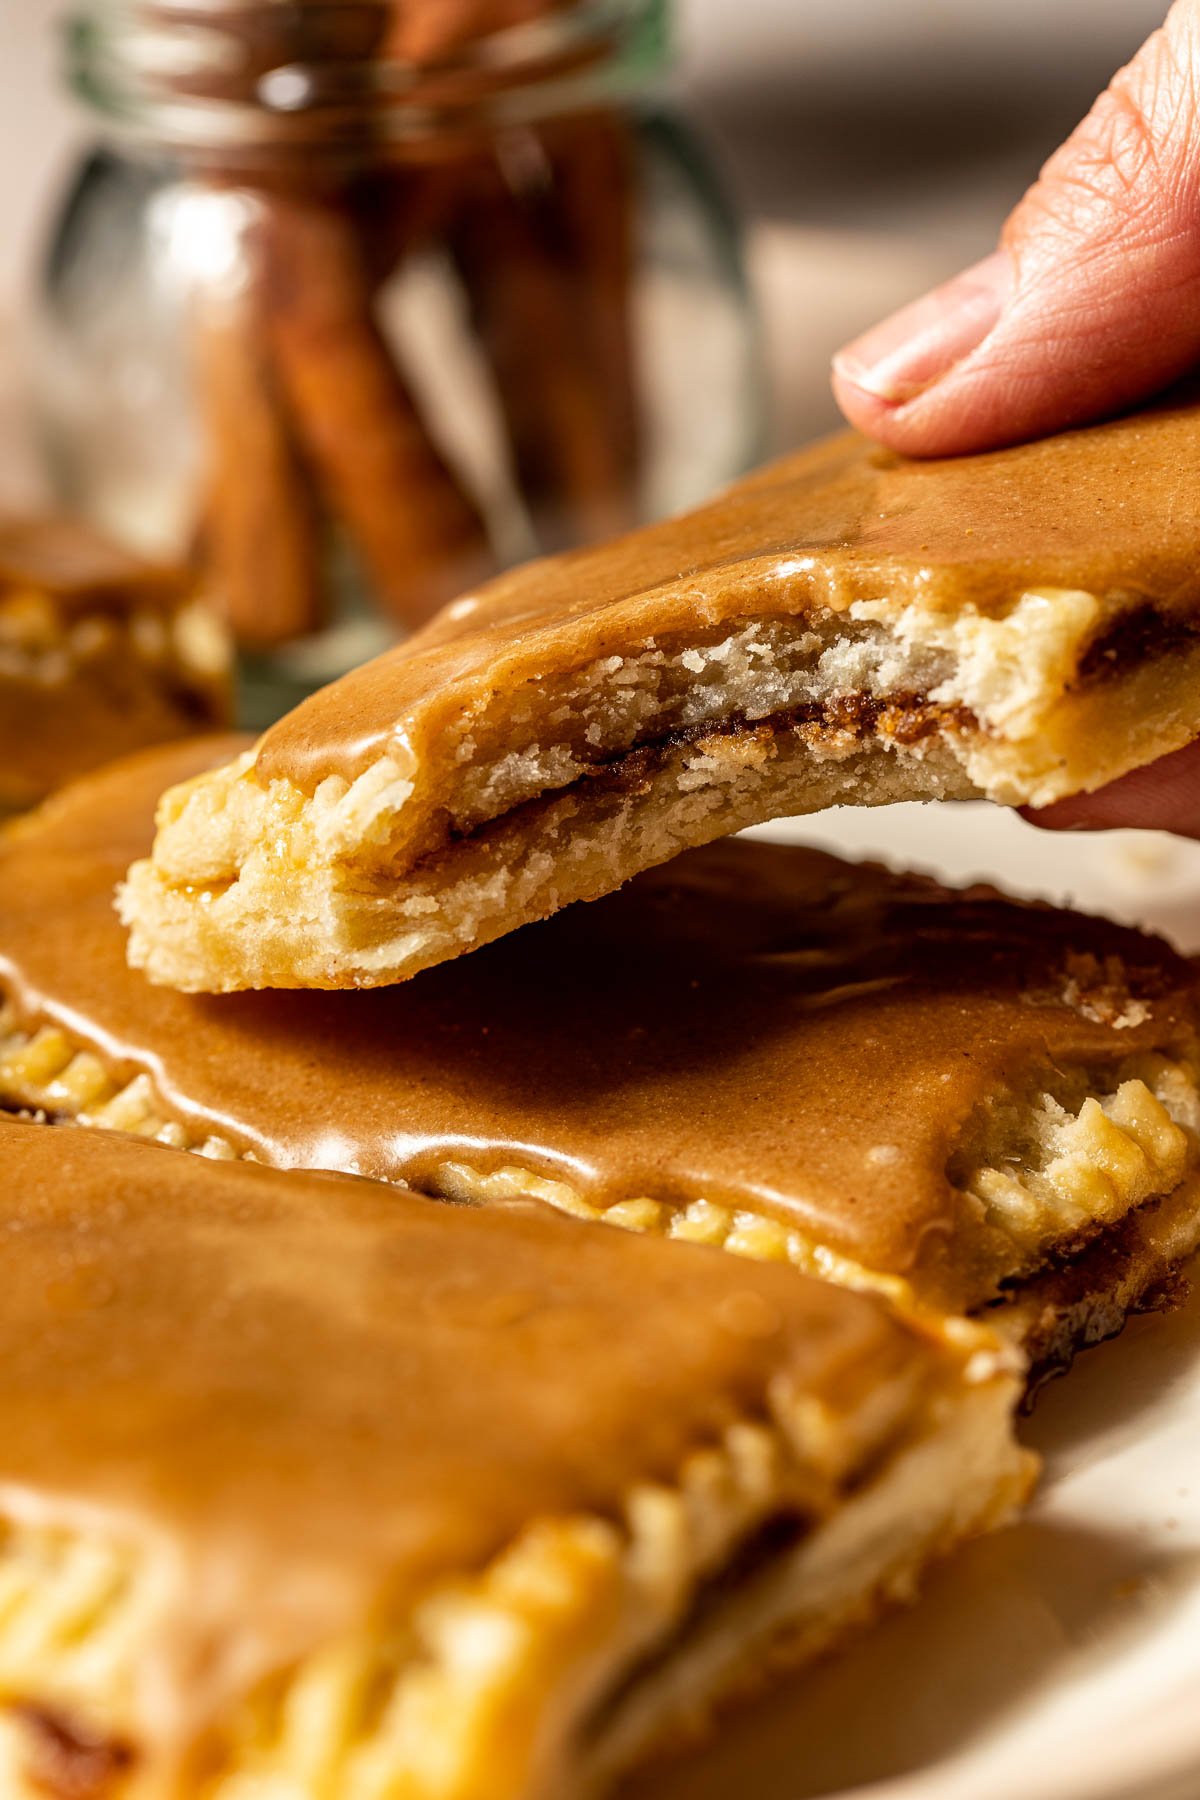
(760, 1026)
(319, 1395)
(50, 734)
(842, 521)
(80, 569)
(71, 696)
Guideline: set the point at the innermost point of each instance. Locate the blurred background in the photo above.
(873, 145)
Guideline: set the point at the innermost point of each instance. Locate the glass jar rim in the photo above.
(177, 73)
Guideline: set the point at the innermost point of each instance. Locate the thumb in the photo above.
(1089, 305)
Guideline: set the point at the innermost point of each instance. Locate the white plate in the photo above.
(1141, 877)
(1058, 1660)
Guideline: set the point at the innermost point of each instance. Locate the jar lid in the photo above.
(267, 74)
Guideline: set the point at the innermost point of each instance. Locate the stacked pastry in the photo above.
(100, 654)
(314, 1486)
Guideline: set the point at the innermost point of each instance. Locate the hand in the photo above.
(1090, 305)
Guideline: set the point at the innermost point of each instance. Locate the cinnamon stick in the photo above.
(304, 400)
(417, 530)
(260, 534)
(550, 298)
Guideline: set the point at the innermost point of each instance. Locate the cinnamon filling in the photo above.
(905, 719)
(1135, 637)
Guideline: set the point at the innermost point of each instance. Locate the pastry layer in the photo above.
(862, 1073)
(844, 626)
(319, 1489)
(1133, 1267)
(100, 654)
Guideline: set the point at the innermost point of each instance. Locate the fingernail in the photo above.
(921, 343)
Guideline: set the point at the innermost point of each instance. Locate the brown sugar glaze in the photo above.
(80, 570)
(764, 1027)
(319, 1396)
(1108, 509)
(107, 700)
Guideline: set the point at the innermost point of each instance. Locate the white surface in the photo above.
(1140, 877)
(1058, 1660)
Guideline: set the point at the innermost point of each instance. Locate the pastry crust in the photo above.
(100, 654)
(951, 1096)
(844, 627)
(317, 1489)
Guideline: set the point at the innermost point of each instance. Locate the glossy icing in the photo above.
(764, 1027)
(841, 521)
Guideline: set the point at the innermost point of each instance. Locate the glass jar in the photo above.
(358, 300)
